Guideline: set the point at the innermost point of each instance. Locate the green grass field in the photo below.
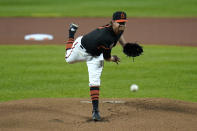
(39, 71)
(97, 8)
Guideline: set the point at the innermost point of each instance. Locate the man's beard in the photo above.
(120, 29)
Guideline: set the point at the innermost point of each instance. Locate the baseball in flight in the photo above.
(134, 87)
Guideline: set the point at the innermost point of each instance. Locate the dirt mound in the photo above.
(117, 115)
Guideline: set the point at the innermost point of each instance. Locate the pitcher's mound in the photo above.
(117, 115)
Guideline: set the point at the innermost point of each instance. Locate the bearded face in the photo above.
(118, 26)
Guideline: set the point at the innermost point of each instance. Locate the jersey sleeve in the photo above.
(105, 50)
(107, 54)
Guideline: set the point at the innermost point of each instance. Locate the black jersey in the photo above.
(100, 40)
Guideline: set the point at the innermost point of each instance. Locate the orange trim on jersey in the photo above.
(101, 46)
(101, 27)
(104, 26)
(123, 20)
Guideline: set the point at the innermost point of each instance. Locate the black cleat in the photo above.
(73, 27)
(72, 30)
(96, 115)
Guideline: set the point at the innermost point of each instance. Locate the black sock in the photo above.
(95, 104)
(71, 34)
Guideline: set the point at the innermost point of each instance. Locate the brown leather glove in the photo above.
(132, 49)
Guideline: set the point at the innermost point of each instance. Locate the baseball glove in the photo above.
(132, 49)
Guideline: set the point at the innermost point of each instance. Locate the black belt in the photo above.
(81, 47)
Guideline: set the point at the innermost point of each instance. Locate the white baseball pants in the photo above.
(94, 63)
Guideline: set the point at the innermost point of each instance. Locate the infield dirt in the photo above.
(178, 31)
(71, 114)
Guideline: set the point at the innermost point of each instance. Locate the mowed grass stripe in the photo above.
(37, 71)
(95, 8)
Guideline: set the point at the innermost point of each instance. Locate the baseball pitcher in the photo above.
(95, 47)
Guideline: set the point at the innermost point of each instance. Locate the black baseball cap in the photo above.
(120, 16)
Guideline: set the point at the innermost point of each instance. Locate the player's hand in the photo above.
(115, 59)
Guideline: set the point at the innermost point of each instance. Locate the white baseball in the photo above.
(134, 87)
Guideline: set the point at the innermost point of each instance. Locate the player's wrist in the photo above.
(115, 58)
(111, 58)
